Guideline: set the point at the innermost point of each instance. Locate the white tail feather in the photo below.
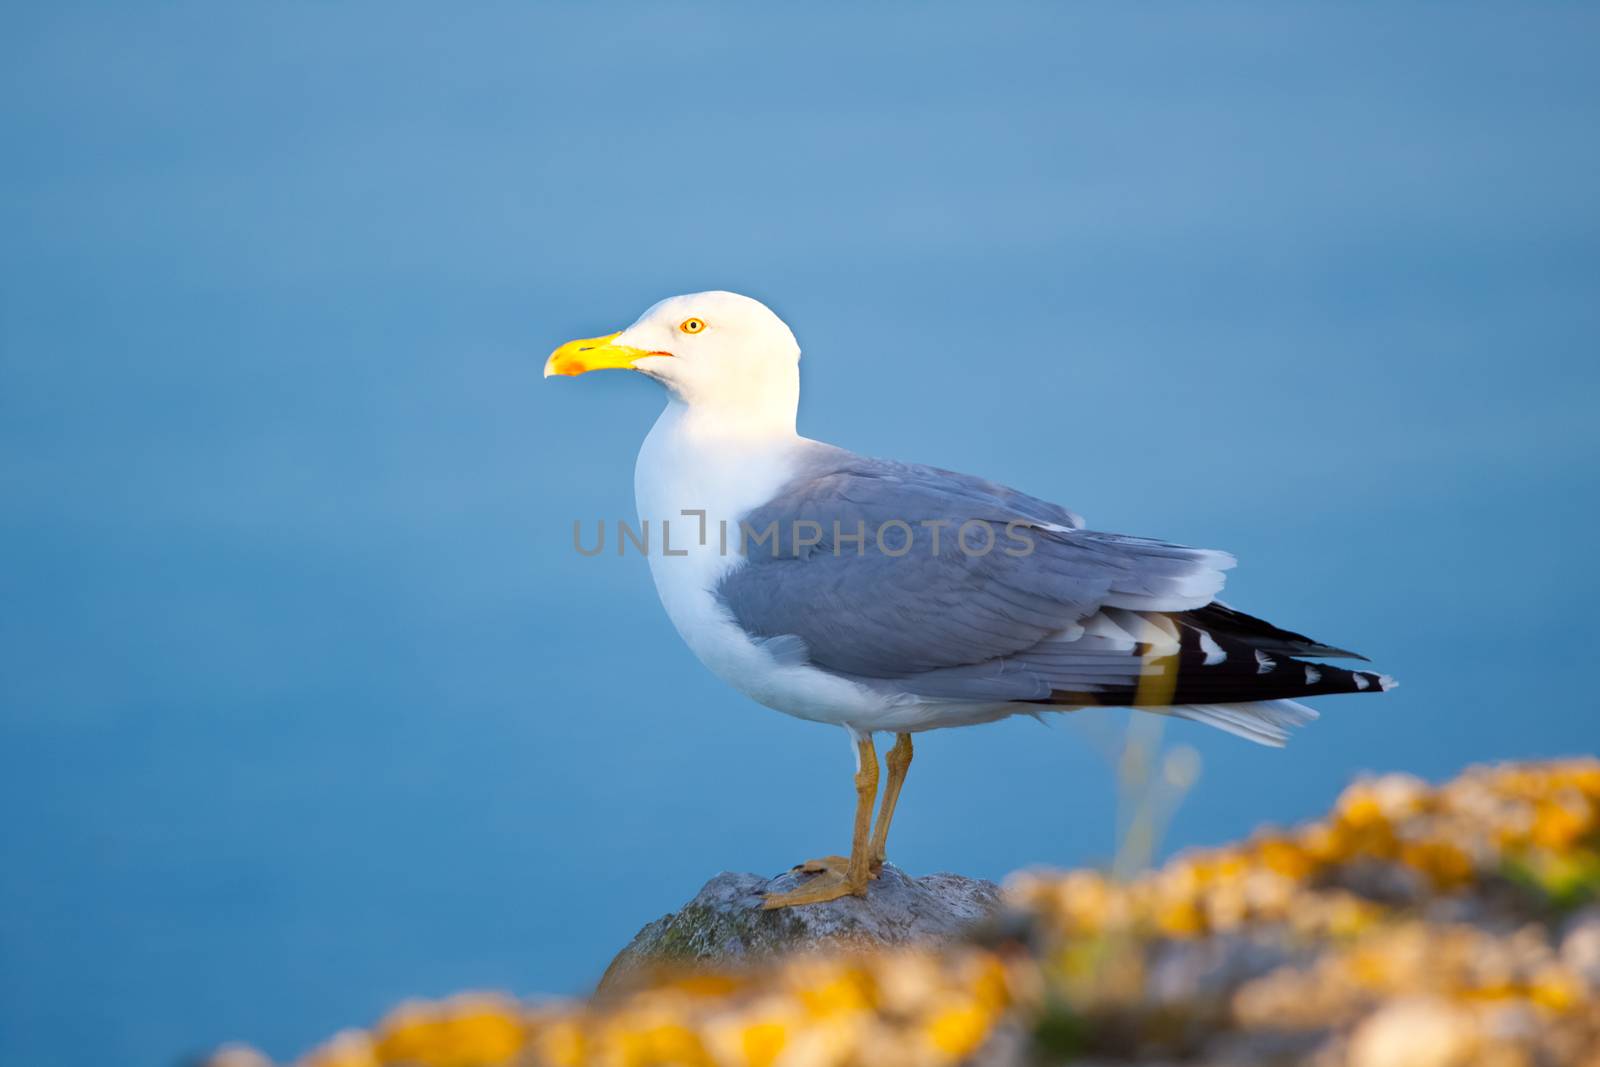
(1266, 722)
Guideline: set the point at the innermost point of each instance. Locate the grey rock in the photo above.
(1580, 944)
(1265, 1048)
(1386, 883)
(724, 923)
(236, 1055)
(1204, 973)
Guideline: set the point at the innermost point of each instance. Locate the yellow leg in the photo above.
(832, 883)
(899, 761)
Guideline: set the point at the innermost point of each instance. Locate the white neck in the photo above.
(760, 406)
(695, 467)
(712, 459)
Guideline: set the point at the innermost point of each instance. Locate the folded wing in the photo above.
(948, 587)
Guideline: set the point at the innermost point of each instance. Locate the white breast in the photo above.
(685, 468)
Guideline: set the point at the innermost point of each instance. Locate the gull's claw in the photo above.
(820, 888)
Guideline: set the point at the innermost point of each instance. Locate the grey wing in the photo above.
(916, 569)
(949, 587)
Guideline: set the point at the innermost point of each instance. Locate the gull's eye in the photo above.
(692, 325)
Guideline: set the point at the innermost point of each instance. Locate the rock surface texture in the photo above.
(725, 923)
(1414, 925)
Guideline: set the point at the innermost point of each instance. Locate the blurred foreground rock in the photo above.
(725, 924)
(1414, 926)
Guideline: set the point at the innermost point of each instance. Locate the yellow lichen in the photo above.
(1383, 972)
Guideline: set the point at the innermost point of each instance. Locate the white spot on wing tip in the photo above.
(1387, 683)
(1361, 680)
(1264, 662)
(1213, 651)
(1313, 676)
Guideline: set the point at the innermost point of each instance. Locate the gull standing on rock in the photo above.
(876, 595)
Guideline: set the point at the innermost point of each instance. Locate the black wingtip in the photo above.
(1249, 630)
(1329, 652)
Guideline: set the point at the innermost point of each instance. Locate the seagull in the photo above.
(893, 597)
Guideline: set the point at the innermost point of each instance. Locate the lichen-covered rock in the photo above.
(1415, 925)
(725, 923)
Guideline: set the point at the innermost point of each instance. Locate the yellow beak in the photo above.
(594, 353)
